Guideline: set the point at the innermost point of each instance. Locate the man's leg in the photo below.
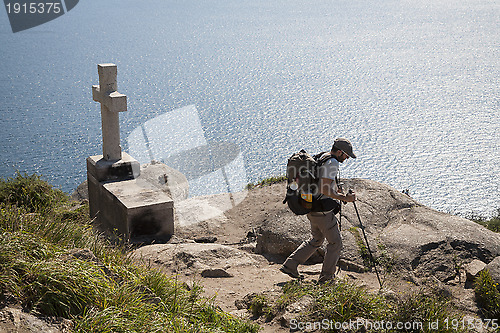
(330, 229)
(306, 249)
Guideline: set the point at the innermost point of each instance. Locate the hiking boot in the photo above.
(326, 282)
(325, 278)
(293, 273)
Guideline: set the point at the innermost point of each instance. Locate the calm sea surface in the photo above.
(415, 85)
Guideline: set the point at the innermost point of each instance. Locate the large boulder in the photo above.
(410, 235)
(280, 236)
(191, 258)
(494, 268)
(13, 319)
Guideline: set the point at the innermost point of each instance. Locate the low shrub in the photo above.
(261, 306)
(30, 192)
(492, 223)
(487, 295)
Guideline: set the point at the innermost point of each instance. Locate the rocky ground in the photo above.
(251, 240)
(233, 246)
(15, 320)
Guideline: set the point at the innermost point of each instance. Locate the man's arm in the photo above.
(325, 187)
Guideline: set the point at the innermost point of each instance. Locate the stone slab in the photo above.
(136, 208)
(472, 269)
(104, 170)
(94, 192)
(136, 193)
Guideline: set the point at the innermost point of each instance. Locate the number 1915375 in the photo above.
(473, 324)
(33, 8)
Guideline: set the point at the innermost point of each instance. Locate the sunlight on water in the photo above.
(414, 85)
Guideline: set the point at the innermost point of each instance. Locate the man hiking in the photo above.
(324, 224)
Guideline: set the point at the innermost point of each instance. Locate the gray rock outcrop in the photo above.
(415, 237)
(494, 268)
(212, 260)
(15, 320)
(293, 311)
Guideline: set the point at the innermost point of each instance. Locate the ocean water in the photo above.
(415, 85)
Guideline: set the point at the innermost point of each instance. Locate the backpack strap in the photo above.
(322, 157)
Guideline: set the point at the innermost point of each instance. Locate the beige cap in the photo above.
(344, 145)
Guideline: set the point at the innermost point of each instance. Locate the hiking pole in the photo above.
(367, 245)
(341, 187)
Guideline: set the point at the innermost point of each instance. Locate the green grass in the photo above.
(363, 250)
(338, 301)
(266, 182)
(426, 307)
(492, 223)
(344, 302)
(30, 192)
(41, 233)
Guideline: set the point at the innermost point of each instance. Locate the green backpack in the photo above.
(302, 194)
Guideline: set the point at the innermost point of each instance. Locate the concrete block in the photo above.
(128, 206)
(135, 208)
(94, 189)
(103, 170)
(167, 179)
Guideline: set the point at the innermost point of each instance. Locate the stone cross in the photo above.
(112, 102)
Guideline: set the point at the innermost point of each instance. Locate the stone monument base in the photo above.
(103, 170)
(135, 208)
(125, 206)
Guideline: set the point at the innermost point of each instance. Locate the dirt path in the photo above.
(260, 205)
(264, 277)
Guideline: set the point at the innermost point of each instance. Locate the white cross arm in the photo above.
(114, 101)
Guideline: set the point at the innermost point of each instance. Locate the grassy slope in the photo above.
(39, 266)
(43, 268)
